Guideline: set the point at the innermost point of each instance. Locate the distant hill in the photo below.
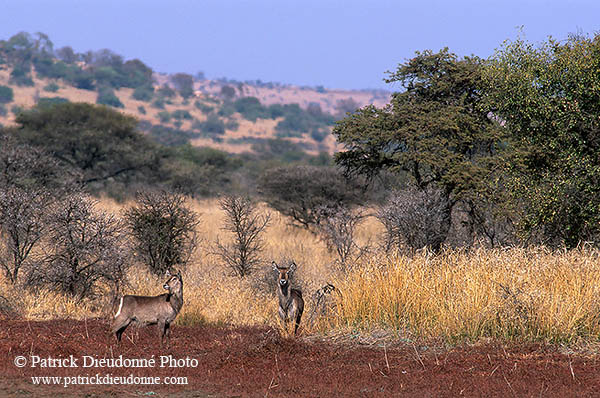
(224, 114)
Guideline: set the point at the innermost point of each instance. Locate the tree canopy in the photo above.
(96, 140)
(548, 98)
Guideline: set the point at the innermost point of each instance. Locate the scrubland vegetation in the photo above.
(465, 209)
(516, 294)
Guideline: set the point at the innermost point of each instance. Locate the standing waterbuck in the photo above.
(291, 303)
(149, 310)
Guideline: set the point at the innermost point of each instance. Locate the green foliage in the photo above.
(51, 101)
(80, 78)
(297, 121)
(166, 92)
(6, 94)
(98, 142)
(170, 136)
(51, 87)
(106, 96)
(204, 108)
(251, 109)
(21, 76)
(3, 111)
(226, 110)
(548, 98)
(16, 110)
(164, 116)
(46, 66)
(227, 92)
(163, 229)
(184, 84)
(181, 114)
(213, 125)
(158, 103)
(143, 93)
(141, 110)
(433, 130)
(307, 193)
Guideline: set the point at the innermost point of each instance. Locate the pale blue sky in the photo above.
(335, 43)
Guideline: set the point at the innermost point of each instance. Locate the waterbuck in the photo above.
(149, 310)
(291, 303)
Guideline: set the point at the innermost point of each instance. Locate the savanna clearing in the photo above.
(517, 321)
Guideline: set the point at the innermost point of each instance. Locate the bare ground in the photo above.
(258, 362)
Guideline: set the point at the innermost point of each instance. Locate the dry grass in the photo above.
(511, 294)
(514, 294)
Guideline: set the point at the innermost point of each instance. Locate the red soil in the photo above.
(257, 362)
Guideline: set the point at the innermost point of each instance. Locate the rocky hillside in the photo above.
(227, 115)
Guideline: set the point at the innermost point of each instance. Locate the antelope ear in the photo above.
(275, 266)
(168, 273)
(292, 266)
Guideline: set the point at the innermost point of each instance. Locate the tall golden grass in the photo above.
(510, 294)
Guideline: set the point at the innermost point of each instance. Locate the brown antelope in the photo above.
(291, 303)
(149, 310)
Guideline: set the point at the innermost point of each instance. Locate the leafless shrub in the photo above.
(22, 225)
(338, 231)
(163, 229)
(516, 311)
(323, 303)
(246, 223)
(84, 247)
(415, 219)
(27, 167)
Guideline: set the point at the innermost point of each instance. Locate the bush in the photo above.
(17, 110)
(180, 114)
(338, 230)
(106, 96)
(20, 76)
(213, 125)
(251, 108)
(22, 225)
(51, 87)
(163, 229)
(164, 116)
(143, 93)
(308, 193)
(204, 108)
(86, 247)
(169, 136)
(51, 101)
(166, 92)
(6, 95)
(158, 103)
(415, 219)
(246, 224)
(141, 110)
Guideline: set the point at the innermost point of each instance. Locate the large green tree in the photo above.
(547, 97)
(100, 143)
(433, 130)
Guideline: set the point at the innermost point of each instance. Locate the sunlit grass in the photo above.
(509, 294)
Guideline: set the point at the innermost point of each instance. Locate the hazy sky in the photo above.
(337, 44)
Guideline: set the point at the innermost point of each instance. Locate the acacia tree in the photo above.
(23, 217)
(432, 130)
(548, 98)
(84, 247)
(184, 83)
(163, 229)
(101, 143)
(247, 224)
(308, 193)
(30, 182)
